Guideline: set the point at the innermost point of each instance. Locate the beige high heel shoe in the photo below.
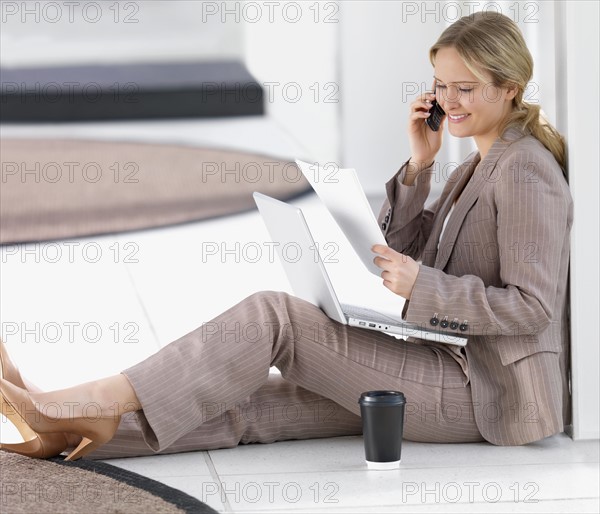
(42, 446)
(94, 433)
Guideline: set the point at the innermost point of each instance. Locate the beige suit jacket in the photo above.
(501, 271)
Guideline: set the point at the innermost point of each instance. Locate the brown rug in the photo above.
(31, 486)
(61, 188)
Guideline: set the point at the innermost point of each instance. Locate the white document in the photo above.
(340, 190)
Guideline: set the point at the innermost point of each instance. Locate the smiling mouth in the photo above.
(457, 117)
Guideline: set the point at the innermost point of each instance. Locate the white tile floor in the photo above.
(68, 320)
(328, 475)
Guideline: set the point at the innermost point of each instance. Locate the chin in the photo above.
(459, 133)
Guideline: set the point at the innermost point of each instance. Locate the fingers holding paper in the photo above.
(399, 271)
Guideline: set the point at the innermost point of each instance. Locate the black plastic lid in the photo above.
(382, 398)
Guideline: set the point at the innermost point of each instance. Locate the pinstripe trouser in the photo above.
(211, 388)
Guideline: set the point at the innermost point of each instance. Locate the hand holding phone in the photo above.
(436, 115)
(425, 139)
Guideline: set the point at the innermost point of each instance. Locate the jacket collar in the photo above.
(472, 176)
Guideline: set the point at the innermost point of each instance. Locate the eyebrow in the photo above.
(457, 81)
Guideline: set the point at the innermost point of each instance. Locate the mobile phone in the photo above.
(437, 113)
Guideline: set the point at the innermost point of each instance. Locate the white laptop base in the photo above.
(309, 279)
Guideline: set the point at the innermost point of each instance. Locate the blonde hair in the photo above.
(492, 42)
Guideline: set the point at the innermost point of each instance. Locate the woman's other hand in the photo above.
(399, 271)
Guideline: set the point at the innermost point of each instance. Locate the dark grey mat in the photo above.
(32, 486)
(129, 91)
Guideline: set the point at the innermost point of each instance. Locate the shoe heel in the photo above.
(85, 446)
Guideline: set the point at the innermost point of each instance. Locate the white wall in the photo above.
(52, 33)
(293, 54)
(384, 65)
(578, 65)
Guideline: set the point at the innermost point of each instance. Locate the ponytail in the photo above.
(530, 119)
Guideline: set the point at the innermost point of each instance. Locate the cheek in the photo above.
(470, 101)
(492, 100)
(484, 107)
(492, 95)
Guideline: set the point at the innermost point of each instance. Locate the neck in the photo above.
(484, 143)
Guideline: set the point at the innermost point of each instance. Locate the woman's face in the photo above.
(474, 108)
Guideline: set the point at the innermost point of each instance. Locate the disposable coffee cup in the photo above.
(382, 415)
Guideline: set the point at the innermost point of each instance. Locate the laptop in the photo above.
(341, 192)
(308, 277)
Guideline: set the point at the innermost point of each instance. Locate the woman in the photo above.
(494, 250)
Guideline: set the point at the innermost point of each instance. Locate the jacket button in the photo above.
(444, 323)
(454, 325)
(387, 218)
(383, 226)
(434, 321)
(463, 326)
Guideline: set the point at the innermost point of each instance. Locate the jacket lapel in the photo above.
(460, 177)
(476, 176)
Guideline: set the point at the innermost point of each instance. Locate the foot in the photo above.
(82, 410)
(8, 371)
(49, 445)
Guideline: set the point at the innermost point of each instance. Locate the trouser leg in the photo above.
(277, 411)
(226, 360)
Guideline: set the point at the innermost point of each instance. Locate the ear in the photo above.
(511, 91)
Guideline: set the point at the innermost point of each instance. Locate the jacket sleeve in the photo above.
(534, 216)
(403, 219)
